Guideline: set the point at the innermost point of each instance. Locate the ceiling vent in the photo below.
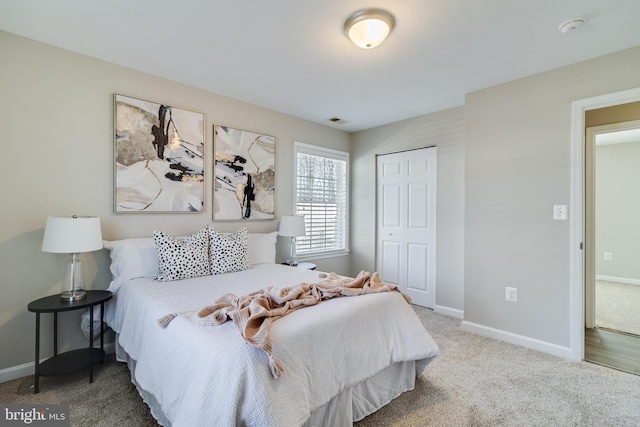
(337, 120)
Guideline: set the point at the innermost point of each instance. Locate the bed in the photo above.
(341, 359)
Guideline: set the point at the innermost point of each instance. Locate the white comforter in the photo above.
(206, 376)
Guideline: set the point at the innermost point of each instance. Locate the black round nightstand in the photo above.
(61, 364)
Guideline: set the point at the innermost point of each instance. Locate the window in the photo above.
(321, 196)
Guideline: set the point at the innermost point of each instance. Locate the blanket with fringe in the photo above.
(253, 314)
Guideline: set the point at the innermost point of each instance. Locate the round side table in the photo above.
(70, 361)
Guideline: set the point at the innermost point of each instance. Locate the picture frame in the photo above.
(159, 154)
(244, 175)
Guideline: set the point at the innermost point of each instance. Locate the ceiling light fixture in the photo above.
(368, 28)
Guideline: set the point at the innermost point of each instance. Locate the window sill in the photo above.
(323, 255)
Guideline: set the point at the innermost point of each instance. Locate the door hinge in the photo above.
(581, 246)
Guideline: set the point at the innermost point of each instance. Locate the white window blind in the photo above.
(322, 198)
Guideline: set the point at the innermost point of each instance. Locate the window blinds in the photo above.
(321, 197)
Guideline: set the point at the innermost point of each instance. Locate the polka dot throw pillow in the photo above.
(184, 257)
(229, 252)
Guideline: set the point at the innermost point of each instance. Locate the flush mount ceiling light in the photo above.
(368, 28)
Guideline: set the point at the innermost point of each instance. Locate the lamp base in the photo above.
(293, 260)
(75, 295)
(73, 282)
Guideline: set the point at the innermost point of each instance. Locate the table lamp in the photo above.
(72, 235)
(292, 226)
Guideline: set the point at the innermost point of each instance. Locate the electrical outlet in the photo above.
(511, 294)
(608, 256)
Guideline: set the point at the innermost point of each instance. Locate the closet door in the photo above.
(406, 236)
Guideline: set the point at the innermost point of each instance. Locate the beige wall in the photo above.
(517, 165)
(56, 134)
(618, 210)
(614, 114)
(503, 161)
(445, 130)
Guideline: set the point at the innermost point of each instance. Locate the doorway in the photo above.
(612, 230)
(579, 110)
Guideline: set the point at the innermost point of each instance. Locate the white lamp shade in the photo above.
(292, 226)
(70, 235)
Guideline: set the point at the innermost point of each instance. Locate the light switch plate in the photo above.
(560, 212)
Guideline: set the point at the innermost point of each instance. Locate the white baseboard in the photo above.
(26, 369)
(15, 372)
(516, 339)
(618, 279)
(448, 311)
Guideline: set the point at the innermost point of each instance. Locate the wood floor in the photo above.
(613, 349)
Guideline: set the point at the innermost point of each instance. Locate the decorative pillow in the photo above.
(229, 252)
(262, 248)
(132, 258)
(182, 258)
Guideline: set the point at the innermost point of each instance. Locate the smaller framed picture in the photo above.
(159, 157)
(244, 186)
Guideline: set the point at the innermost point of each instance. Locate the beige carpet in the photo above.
(476, 381)
(618, 307)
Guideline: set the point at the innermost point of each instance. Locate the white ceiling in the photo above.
(292, 56)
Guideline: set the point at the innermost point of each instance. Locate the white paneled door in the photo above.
(406, 216)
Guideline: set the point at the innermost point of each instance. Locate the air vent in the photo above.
(337, 120)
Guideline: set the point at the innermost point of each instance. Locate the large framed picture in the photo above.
(245, 175)
(159, 157)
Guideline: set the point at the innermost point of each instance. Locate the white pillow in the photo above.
(262, 248)
(229, 252)
(182, 258)
(132, 258)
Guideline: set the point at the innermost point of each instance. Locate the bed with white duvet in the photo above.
(341, 359)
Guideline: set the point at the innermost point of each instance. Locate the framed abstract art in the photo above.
(244, 170)
(159, 157)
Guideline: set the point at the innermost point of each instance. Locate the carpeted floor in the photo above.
(476, 381)
(618, 306)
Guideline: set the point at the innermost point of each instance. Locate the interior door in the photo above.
(390, 210)
(406, 208)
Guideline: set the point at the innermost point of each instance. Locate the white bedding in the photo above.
(210, 376)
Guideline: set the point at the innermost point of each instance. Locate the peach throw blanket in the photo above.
(252, 314)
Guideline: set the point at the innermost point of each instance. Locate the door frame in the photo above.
(577, 231)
